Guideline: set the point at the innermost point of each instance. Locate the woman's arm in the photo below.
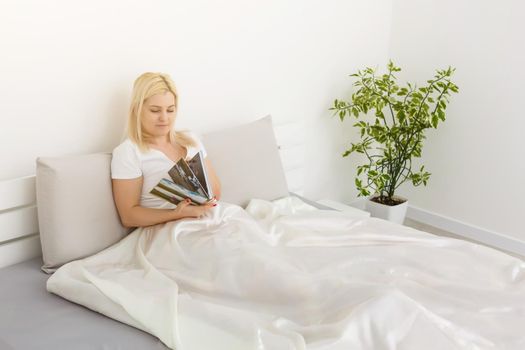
(126, 193)
(214, 179)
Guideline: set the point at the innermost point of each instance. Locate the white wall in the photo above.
(68, 68)
(476, 156)
(67, 71)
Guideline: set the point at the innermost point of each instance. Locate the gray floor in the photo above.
(423, 227)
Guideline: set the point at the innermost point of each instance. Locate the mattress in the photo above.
(32, 318)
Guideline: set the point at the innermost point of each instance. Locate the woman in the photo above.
(150, 150)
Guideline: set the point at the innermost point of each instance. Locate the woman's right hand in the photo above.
(185, 209)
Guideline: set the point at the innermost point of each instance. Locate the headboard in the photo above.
(19, 239)
(290, 137)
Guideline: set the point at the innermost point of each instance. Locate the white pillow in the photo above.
(246, 159)
(77, 216)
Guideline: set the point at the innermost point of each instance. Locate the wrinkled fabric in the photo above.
(285, 275)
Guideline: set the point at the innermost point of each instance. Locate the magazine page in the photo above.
(179, 191)
(183, 176)
(199, 169)
(166, 195)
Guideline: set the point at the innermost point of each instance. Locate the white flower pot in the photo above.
(394, 213)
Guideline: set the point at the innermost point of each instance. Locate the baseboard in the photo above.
(491, 238)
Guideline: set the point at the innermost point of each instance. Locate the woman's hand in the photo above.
(184, 209)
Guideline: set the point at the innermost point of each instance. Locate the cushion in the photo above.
(76, 212)
(246, 159)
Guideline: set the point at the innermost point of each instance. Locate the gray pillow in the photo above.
(246, 159)
(76, 212)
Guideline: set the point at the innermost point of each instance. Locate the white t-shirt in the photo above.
(129, 162)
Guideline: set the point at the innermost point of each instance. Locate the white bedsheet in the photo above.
(284, 275)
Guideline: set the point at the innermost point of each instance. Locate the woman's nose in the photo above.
(163, 115)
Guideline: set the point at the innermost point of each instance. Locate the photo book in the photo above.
(188, 179)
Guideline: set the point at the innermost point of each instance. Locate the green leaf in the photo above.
(435, 120)
(363, 192)
(441, 114)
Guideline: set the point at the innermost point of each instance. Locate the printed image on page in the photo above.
(199, 169)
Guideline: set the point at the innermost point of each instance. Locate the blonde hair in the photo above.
(145, 86)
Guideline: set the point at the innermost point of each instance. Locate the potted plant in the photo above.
(392, 120)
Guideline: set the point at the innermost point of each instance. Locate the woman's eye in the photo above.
(171, 111)
(154, 111)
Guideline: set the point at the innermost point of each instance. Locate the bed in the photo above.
(408, 289)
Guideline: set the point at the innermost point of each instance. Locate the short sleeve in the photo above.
(125, 163)
(202, 148)
(200, 145)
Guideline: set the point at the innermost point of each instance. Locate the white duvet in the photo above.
(284, 275)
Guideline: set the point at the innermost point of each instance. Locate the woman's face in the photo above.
(158, 114)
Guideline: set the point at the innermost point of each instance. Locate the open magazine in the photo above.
(188, 179)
